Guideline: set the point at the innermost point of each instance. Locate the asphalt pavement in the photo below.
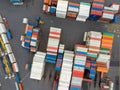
(72, 33)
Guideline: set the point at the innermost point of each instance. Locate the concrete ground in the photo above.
(72, 33)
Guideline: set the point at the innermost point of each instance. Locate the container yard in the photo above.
(59, 45)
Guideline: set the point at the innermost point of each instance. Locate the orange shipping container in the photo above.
(94, 47)
(110, 37)
(104, 20)
(71, 14)
(13, 67)
(105, 40)
(106, 46)
(87, 80)
(48, 2)
(101, 69)
(20, 86)
(110, 43)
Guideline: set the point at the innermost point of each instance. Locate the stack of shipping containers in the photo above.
(60, 57)
(27, 37)
(8, 54)
(38, 65)
(66, 71)
(105, 50)
(50, 6)
(34, 40)
(61, 9)
(93, 44)
(78, 67)
(103, 62)
(53, 44)
(109, 13)
(83, 11)
(46, 8)
(73, 9)
(96, 9)
(30, 38)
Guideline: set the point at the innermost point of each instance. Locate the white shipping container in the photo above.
(80, 57)
(73, 9)
(16, 85)
(63, 88)
(53, 44)
(2, 28)
(54, 29)
(61, 9)
(54, 35)
(80, 62)
(79, 68)
(66, 71)
(1, 19)
(40, 53)
(60, 14)
(52, 50)
(116, 7)
(38, 65)
(4, 38)
(16, 67)
(111, 84)
(8, 48)
(53, 40)
(107, 15)
(81, 18)
(33, 43)
(94, 34)
(25, 20)
(81, 49)
(12, 58)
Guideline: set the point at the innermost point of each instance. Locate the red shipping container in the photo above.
(96, 12)
(78, 73)
(58, 65)
(35, 33)
(52, 52)
(54, 37)
(99, 0)
(73, 3)
(81, 55)
(78, 45)
(94, 5)
(50, 47)
(60, 60)
(92, 38)
(29, 27)
(75, 86)
(57, 33)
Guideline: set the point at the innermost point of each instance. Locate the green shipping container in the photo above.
(108, 34)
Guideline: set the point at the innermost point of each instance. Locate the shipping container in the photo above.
(38, 65)
(78, 67)
(61, 9)
(66, 70)
(84, 11)
(60, 57)
(53, 44)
